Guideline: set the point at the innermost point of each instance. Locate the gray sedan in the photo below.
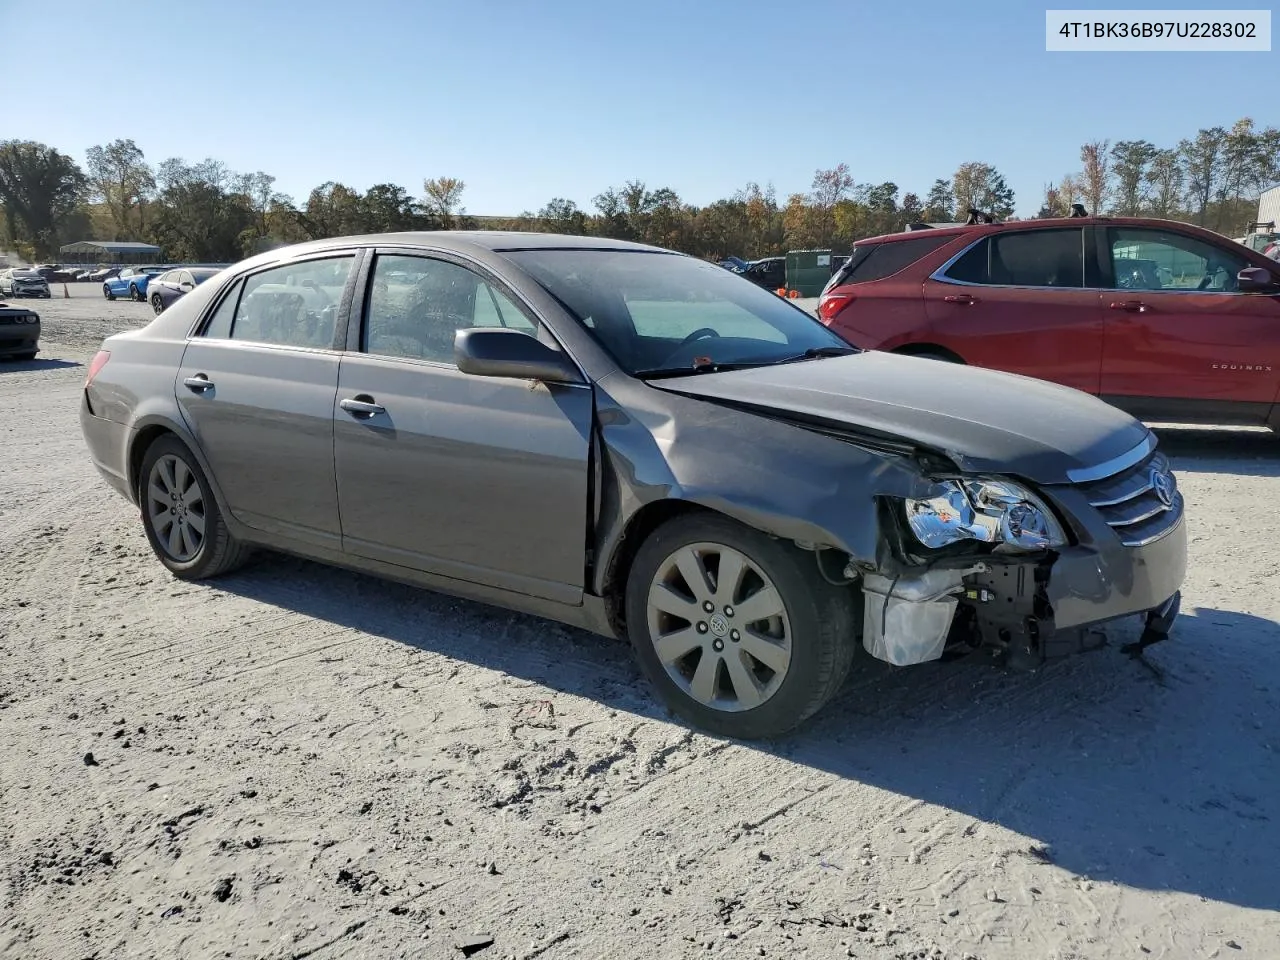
(639, 443)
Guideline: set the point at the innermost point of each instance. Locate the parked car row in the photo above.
(703, 468)
(160, 286)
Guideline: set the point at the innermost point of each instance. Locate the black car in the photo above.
(19, 333)
(770, 272)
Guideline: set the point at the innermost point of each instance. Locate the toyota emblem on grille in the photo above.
(1162, 484)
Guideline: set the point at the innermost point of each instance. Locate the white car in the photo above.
(22, 282)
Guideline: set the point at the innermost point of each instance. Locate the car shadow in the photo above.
(1158, 773)
(37, 364)
(1247, 452)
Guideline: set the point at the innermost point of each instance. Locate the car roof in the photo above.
(981, 229)
(493, 240)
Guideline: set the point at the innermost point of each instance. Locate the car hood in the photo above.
(983, 420)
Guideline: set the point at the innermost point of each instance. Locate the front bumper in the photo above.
(1038, 610)
(17, 339)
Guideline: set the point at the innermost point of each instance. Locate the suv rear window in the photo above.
(882, 260)
(1038, 258)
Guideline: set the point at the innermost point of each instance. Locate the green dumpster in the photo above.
(808, 271)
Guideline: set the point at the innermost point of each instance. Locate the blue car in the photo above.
(130, 282)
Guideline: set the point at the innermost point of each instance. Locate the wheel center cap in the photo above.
(719, 626)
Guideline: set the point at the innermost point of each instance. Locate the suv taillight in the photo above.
(831, 304)
(97, 363)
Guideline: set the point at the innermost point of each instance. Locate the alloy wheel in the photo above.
(175, 508)
(719, 627)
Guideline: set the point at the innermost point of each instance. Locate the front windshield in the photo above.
(665, 313)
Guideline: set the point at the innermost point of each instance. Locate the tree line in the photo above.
(203, 211)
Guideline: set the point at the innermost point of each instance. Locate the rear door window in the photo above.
(295, 305)
(1033, 258)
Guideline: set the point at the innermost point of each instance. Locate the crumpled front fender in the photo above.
(786, 480)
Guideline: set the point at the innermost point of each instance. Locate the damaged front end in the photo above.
(991, 566)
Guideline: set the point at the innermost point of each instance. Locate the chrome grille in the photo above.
(1131, 503)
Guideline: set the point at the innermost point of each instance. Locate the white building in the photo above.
(1269, 206)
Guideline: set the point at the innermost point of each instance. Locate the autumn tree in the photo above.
(1051, 205)
(980, 186)
(387, 207)
(563, 216)
(1095, 175)
(1131, 162)
(1202, 158)
(121, 179)
(201, 217)
(443, 200)
(1165, 178)
(940, 204)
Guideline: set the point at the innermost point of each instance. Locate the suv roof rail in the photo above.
(918, 226)
(1077, 210)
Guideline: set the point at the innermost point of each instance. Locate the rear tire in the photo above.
(181, 517)
(157, 304)
(753, 677)
(29, 355)
(134, 295)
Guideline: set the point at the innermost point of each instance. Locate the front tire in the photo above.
(157, 304)
(735, 630)
(180, 515)
(106, 292)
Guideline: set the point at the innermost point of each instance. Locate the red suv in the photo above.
(1165, 320)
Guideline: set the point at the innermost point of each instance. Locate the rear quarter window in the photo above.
(885, 259)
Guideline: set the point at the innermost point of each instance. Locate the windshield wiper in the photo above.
(656, 373)
(814, 353)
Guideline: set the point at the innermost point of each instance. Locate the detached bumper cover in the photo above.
(1088, 587)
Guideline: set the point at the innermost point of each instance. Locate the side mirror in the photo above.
(1256, 279)
(490, 352)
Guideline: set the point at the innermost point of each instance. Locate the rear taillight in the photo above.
(97, 363)
(831, 304)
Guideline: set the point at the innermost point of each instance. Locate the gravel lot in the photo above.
(296, 761)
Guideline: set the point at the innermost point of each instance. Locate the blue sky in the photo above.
(526, 101)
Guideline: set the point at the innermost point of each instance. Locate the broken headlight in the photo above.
(990, 511)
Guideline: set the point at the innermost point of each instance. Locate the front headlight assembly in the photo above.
(999, 512)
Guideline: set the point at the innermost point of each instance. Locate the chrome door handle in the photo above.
(199, 383)
(960, 298)
(362, 407)
(1130, 306)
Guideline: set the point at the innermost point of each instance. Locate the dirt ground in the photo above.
(296, 761)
